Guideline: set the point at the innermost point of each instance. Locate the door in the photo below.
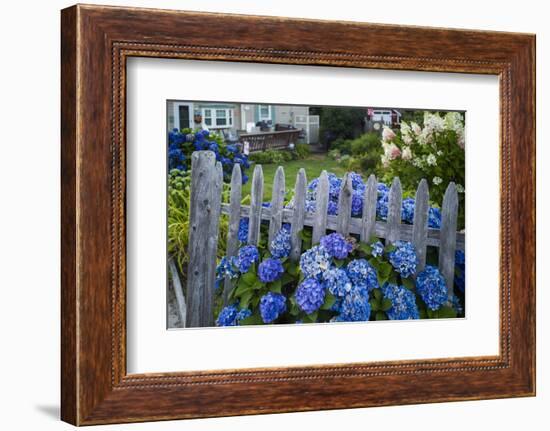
(183, 116)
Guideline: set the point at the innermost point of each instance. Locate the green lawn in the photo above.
(313, 164)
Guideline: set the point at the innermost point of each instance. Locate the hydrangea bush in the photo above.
(181, 145)
(359, 185)
(434, 151)
(338, 280)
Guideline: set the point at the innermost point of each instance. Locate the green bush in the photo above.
(338, 122)
(342, 145)
(274, 156)
(302, 151)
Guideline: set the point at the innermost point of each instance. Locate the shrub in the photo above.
(302, 151)
(273, 156)
(181, 144)
(344, 123)
(434, 152)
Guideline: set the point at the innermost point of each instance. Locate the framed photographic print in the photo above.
(337, 209)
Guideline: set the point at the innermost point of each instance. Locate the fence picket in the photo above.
(447, 239)
(202, 218)
(369, 209)
(277, 201)
(321, 207)
(234, 220)
(420, 223)
(207, 312)
(393, 222)
(257, 195)
(298, 215)
(344, 205)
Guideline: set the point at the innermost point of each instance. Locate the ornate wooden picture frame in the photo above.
(96, 41)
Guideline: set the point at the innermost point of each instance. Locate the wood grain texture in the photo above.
(298, 215)
(256, 201)
(369, 209)
(96, 41)
(321, 206)
(420, 223)
(234, 221)
(344, 206)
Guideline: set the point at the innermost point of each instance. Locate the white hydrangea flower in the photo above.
(437, 180)
(406, 154)
(416, 128)
(387, 134)
(431, 160)
(460, 188)
(406, 133)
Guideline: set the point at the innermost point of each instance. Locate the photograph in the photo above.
(296, 214)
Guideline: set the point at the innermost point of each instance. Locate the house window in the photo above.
(207, 117)
(217, 118)
(265, 112)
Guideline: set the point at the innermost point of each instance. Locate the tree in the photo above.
(340, 123)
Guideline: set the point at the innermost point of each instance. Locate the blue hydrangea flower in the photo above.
(336, 245)
(311, 206)
(457, 305)
(245, 178)
(382, 201)
(242, 235)
(202, 134)
(270, 270)
(403, 302)
(332, 208)
(407, 210)
(310, 295)
(224, 268)
(356, 180)
(231, 315)
(280, 246)
(460, 270)
(334, 185)
(232, 148)
(434, 218)
(246, 257)
(227, 316)
(377, 249)
(272, 305)
(314, 261)
(357, 203)
(361, 272)
(337, 281)
(243, 313)
(431, 287)
(403, 258)
(354, 307)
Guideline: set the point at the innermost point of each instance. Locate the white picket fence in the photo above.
(207, 208)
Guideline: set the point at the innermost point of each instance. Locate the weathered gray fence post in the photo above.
(277, 201)
(321, 207)
(420, 223)
(256, 200)
(234, 220)
(394, 212)
(298, 215)
(204, 215)
(344, 206)
(447, 244)
(368, 221)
